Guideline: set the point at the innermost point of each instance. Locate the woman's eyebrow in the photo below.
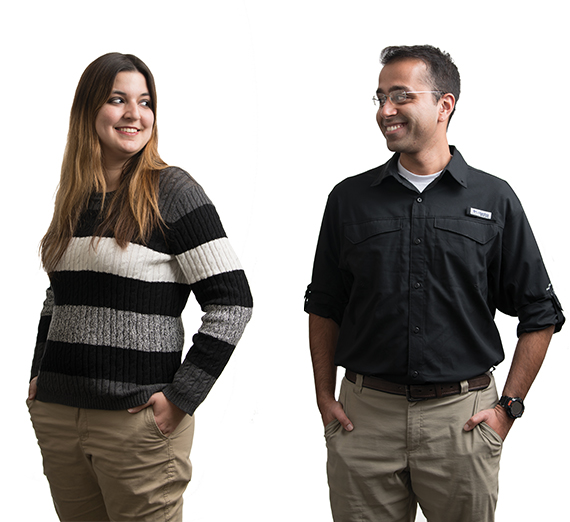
(124, 93)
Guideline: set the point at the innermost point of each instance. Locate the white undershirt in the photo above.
(420, 182)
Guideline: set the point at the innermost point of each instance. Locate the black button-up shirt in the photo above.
(414, 279)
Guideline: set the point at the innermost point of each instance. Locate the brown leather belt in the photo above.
(420, 392)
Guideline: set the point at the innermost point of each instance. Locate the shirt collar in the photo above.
(457, 168)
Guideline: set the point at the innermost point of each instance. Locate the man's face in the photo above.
(413, 126)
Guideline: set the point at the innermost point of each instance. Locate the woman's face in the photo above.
(124, 124)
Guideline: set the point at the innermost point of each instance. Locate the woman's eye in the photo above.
(146, 103)
(116, 100)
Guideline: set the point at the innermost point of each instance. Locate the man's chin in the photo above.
(394, 146)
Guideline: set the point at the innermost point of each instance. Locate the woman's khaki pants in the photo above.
(112, 465)
(403, 453)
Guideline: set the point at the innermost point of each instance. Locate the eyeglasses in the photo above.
(397, 97)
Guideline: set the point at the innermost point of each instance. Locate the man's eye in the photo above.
(399, 97)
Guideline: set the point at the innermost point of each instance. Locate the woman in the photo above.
(130, 238)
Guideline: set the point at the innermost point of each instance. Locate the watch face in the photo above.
(516, 408)
(513, 405)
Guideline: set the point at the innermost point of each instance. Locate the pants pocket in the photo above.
(490, 435)
(151, 422)
(331, 428)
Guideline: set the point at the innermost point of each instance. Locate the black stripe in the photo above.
(43, 328)
(88, 222)
(229, 288)
(109, 363)
(209, 354)
(120, 293)
(200, 226)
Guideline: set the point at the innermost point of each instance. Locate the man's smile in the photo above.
(394, 127)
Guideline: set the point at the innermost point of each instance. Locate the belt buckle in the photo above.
(410, 397)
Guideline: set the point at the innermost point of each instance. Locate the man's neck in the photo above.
(427, 162)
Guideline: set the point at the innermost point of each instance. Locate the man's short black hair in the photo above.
(443, 73)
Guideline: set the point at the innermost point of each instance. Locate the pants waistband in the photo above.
(420, 392)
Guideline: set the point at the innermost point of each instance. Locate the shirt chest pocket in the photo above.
(368, 244)
(469, 241)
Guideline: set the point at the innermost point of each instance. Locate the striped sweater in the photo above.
(110, 332)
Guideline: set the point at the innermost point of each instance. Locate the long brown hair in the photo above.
(133, 211)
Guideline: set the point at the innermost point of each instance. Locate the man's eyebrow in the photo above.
(394, 88)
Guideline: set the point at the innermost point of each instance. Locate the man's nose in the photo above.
(388, 109)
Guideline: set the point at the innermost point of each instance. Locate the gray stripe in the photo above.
(48, 303)
(179, 194)
(190, 387)
(225, 323)
(116, 328)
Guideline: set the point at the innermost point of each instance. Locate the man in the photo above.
(413, 259)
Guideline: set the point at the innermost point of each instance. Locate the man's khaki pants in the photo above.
(112, 465)
(403, 453)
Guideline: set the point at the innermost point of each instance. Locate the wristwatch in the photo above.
(513, 406)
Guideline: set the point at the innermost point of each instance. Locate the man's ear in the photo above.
(446, 105)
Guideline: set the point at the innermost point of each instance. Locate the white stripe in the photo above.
(133, 262)
(142, 263)
(207, 260)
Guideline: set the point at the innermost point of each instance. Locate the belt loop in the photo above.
(358, 383)
(464, 387)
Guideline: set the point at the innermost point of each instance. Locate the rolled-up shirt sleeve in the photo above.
(327, 294)
(525, 289)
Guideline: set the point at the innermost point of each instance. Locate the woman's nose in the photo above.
(132, 111)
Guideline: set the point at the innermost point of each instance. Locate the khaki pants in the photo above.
(112, 465)
(403, 453)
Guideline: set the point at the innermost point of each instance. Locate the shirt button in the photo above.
(417, 285)
(419, 200)
(415, 374)
(418, 240)
(417, 329)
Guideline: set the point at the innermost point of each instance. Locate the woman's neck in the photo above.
(112, 176)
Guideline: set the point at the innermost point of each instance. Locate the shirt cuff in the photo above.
(323, 305)
(540, 315)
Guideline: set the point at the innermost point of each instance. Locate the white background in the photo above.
(268, 105)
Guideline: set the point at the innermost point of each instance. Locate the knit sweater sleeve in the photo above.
(43, 328)
(211, 268)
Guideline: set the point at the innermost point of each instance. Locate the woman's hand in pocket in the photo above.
(166, 414)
